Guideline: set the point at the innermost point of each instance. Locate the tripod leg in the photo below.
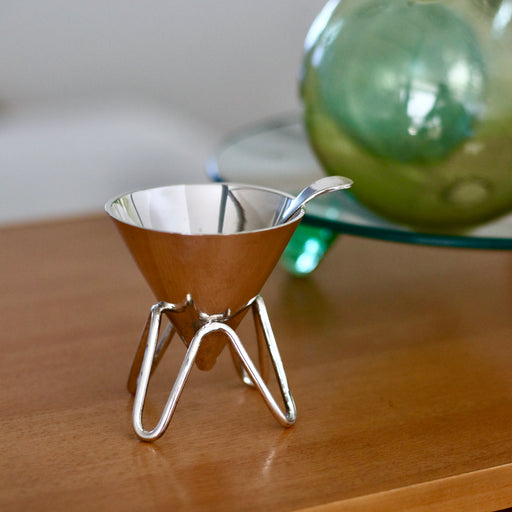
(179, 383)
(161, 347)
(288, 418)
(262, 350)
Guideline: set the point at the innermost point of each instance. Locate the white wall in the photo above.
(181, 74)
(222, 61)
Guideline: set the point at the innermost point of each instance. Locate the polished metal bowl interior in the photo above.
(215, 208)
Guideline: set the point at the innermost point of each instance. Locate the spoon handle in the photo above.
(319, 187)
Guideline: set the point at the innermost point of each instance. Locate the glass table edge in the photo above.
(408, 237)
(380, 233)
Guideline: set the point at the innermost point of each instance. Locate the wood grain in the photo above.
(399, 358)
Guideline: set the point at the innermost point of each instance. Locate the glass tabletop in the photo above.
(275, 153)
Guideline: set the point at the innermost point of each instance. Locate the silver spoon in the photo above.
(317, 188)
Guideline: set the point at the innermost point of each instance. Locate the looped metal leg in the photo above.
(181, 379)
(288, 418)
(148, 356)
(161, 347)
(259, 320)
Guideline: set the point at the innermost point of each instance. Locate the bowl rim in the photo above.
(296, 217)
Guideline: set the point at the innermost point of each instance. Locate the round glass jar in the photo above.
(412, 99)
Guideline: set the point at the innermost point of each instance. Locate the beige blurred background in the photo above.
(102, 97)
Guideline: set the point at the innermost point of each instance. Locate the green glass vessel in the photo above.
(412, 99)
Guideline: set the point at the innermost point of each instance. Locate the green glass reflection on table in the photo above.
(306, 249)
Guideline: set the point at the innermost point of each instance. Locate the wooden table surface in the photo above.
(399, 358)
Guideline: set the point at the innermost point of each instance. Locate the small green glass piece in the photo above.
(306, 249)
